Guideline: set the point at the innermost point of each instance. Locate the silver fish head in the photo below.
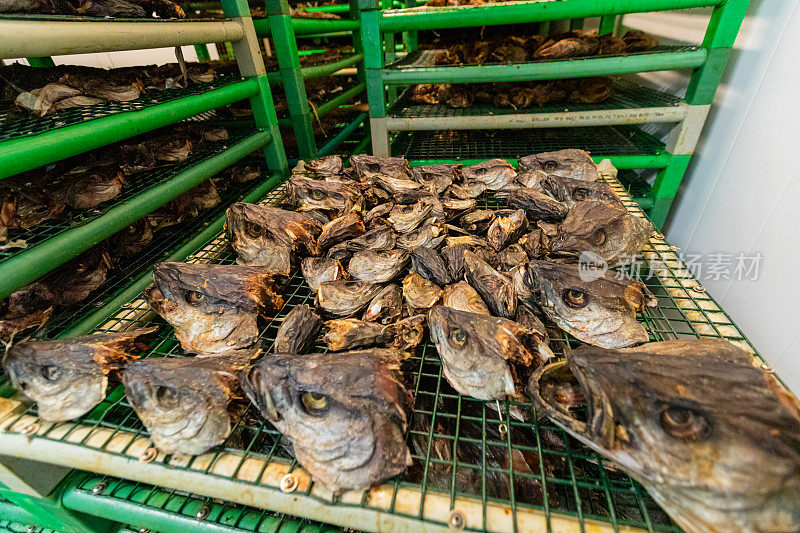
(602, 229)
(212, 308)
(329, 165)
(392, 174)
(599, 309)
(431, 234)
(183, 401)
(474, 349)
(378, 267)
(714, 439)
(494, 174)
(345, 414)
(569, 163)
(319, 269)
(68, 377)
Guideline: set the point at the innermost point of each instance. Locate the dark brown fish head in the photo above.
(329, 165)
(569, 163)
(318, 269)
(86, 188)
(581, 190)
(428, 263)
(537, 205)
(344, 298)
(496, 289)
(477, 221)
(405, 218)
(379, 239)
(268, 237)
(213, 308)
(68, 377)
(298, 330)
(26, 308)
(507, 227)
(183, 401)
(392, 174)
(386, 307)
(474, 349)
(431, 234)
(334, 197)
(713, 438)
(603, 230)
(596, 307)
(345, 414)
(436, 178)
(494, 174)
(378, 267)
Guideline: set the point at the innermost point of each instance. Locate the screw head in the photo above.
(32, 529)
(29, 429)
(455, 519)
(766, 367)
(202, 512)
(698, 288)
(148, 455)
(100, 488)
(289, 483)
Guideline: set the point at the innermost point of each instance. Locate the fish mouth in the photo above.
(254, 388)
(560, 388)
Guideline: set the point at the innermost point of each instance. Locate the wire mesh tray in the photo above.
(136, 184)
(426, 58)
(19, 124)
(579, 488)
(603, 141)
(627, 95)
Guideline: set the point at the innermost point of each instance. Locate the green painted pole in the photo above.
(621, 162)
(343, 135)
(30, 263)
(48, 513)
(91, 321)
(19, 155)
(607, 24)
(42, 62)
(306, 26)
(202, 52)
(317, 71)
(599, 66)
(666, 187)
(346, 96)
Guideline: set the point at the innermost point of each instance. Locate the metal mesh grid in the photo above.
(18, 124)
(128, 269)
(14, 527)
(136, 184)
(226, 515)
(627, 95)
(425, 58)
(575, 481)
(486, 144)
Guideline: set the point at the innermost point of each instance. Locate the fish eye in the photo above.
(253, 230)
(682, 423)
(581, 194)
(166, 395)
(598, 238)
(575, 298)
(457, 338)
(51, 372)
(317, 194)
(550, 165)
(481, 170)
(314, 404)
(194, 297)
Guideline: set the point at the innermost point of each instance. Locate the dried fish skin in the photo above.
(319, 269)
(334, 197)
(496, 289)
(330, 165)
(407, 218)
(349, 333)
(428, 264)
(213, 308)
(462, 297)
(419, 294)
(494, 174)
(341, 229)
(507, 227)
(69, 377)
(477, 221)
(345, 414)
(386, 307)
(298, 330)
(378, 267)
(604, 230)
(378, 240)
(569, 163)
(269, 237)
(376, 214)
(512, 256)
(27, 308)
(345, 298)
(456, 207)
(88, 187)
(436, 178)
(600, 312)
(183, 401)
(537, 205)
(711, 436)
(76, 279)
(392, 174)
(475, 350)
(430, 234)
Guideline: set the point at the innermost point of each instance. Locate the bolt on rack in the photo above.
(633, 104)
(251, 468)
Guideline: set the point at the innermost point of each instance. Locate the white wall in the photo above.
(742, 191)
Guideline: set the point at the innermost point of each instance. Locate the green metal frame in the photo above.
(378, 25)
(49, 513)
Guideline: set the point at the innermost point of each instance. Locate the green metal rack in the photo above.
(582, 491)
(284, 32)
(634, 104)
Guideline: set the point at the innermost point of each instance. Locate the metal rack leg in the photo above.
(371, 44)
(666, 187)
(607, 24)
(202, 52)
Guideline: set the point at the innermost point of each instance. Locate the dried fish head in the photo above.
(494, 174)
(318, 269)
(380, 239)
(569, 163)
(420, 294)
(407, 218)
(298, 330)
(386, 307)
(335, 197)
(537, 205)
(428, 264)
(507, 227)
(436, 178)
(378, 267)
(496, 289)
(344, 298)
(462, 297)
(392, 174)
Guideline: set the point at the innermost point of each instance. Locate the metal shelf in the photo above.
(53, 244)
(28, 142)
(308, 26)
(159, 509)
(626, 146)
(318, 71)
(29, 36)
(430, 18)
(419, 67)
(631, 103)
(248, 468)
